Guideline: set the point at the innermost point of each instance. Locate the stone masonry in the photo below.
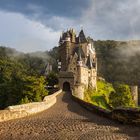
(77, 62)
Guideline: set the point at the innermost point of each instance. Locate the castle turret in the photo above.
(73, 35)
(82, 37)
(65, 50)
(92, 72)
(79, 59)
(67, 38)
(79, 86)
(79, 64)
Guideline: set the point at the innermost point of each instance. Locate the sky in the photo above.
(36, 25)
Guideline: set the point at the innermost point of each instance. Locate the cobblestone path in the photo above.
(66, 120)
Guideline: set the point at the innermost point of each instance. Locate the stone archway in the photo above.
(66, 86)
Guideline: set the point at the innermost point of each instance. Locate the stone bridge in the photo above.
(66, 120)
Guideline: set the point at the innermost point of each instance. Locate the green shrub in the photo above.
(110, 96)
(121, 97)
(24, 100)
(52, 79)
(100, 96)
(17, 86)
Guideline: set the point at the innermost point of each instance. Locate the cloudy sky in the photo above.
(35, 25)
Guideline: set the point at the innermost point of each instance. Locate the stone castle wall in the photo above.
(79, 91)
(66, 77)
(19, 111)
(134, 92)
(123, 115)
(84, 76)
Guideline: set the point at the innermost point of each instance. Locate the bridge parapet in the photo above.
(19, 111)
(123, 115)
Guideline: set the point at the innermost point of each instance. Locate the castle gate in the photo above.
(66, 81)
(66, 86)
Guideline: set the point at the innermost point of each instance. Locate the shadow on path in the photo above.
(72, 106)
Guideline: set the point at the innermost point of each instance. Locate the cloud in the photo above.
(101, 19)
(26, 35)
(65, 8)
(109, 19)
(128, 49)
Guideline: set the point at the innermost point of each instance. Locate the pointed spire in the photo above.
(79, 54)
(89, 62)
(81, 32)
(82, 36)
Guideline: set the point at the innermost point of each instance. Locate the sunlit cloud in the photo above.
(26, 35)
(43, 21)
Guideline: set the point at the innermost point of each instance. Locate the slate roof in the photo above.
(82, 37)
(90, 63)
(79, 51)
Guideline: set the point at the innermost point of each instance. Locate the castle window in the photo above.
(89, 74)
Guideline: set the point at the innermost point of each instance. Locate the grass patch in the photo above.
(100, 97)
(110, 96)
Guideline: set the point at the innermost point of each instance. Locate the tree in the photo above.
(121, 97)
(52, 79)
(24, 100)
(34, 88)
(100, 97)
(34, 65)
(11, 83)
(53, 57)
(17, 85)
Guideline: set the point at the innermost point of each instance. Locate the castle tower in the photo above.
(78, 62)
(65, 50)
(134, 93)
(82, 37)
(79, 87)
(79, 65)
(73, 35)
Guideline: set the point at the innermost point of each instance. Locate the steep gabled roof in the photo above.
(79, 51)
(81, 37)
(90, 62)
(60, 40)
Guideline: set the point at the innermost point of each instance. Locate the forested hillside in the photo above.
(21, 79)
(119, 61)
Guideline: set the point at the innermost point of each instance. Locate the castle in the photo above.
(77, 62)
